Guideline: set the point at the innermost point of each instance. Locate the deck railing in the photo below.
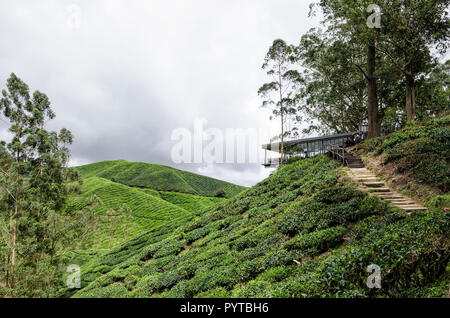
(338, 153)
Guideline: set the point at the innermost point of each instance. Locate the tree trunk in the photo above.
(372, 99)
(13, 252)
(282, 140)
(281, 113)
(410, 98)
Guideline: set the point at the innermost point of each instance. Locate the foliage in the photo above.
(280, 93)
(420, 149)
(158, 177)
(251, 245)
(33, 188)
(137, 210)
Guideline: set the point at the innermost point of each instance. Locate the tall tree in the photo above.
(411, 30)
(32, 178)
(333, 92)
(351, 17)
(280, 94)
(434, 92)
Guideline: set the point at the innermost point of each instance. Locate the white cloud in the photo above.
(135, 70)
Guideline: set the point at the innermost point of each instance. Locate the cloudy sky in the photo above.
(123, 75)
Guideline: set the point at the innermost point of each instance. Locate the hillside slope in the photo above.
(148, 209)
(414, 160)
(302, 232)
(158, 177)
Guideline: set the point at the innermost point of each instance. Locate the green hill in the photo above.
(143, 197)
(148, 209)
(302, 232)
(158, 177)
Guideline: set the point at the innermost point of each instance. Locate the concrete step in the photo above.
(373, 186)
(388, 198)
(394, 201)
(405, 203)
(390, 195)
(368, 179)
(376, 184)
(413, 208)
(379, 190)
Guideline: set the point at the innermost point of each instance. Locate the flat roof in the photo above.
(277, 145)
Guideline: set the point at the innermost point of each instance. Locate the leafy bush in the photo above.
(420, 148)
(246, 247)
(317, 242)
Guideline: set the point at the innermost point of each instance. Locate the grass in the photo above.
(302, 232)
(160, 178)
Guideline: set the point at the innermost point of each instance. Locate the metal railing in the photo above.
(273, 162)
(338, 153)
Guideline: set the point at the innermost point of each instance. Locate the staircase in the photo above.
(369, 183)
(353, 162)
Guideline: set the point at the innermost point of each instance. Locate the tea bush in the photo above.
(421, 148)
(299, 233)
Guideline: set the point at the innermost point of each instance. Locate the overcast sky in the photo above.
(122, 75)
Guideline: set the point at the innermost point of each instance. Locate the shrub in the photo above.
(337, 195)
(317, 242)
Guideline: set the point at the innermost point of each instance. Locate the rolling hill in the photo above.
(146, 210)
(143, 197)
(306, 231)
(303, 232)
(158, 177)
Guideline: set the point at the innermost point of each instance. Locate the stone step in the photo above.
(389, 199)
(406, 203)
(413, 208)
(402, 200)
(375, 184)
(391, 195)
(379, 190)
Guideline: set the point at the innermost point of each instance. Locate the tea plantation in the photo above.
(146, 209)
(158, 177)
(303, 232)
(420, 152)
